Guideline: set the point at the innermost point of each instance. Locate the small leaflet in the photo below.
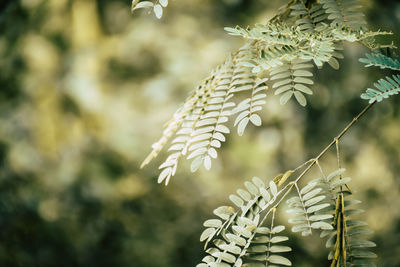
(164, 3)
(143, 4)
(158, 11)
(273, 188)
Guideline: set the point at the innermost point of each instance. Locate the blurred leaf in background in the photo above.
(85, 89)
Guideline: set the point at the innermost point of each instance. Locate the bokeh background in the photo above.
(85, 87)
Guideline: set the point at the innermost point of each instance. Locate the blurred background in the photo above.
(85, 87)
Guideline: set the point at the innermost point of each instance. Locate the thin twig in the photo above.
(315, 160)
(288, 187)
(323, 152)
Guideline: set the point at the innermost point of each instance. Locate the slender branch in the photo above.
(288, 187)
(337, 138)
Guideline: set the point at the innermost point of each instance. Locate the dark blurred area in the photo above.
(85, 87)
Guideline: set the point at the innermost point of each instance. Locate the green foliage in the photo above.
(344, 13)
(346, 240)
(285, 51)
(247, 236)
(239, 237)
(332, 215)
(248, 108)
(199, 126)
(307, 19)
(157, 7)
(387, 86)
(293, 78)
(278, 43)
(309, 208)
(382, 61)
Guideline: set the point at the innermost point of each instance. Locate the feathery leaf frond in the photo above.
(389, 85)
(203, 124)
(381, 61)
(281, 43)
(247, 108)
(307, 19)
(309, 208)
(345, 235)
(292, 78)
(349, 248)
(345, 13)
(200, 126)
(386, 87)
(239, 237)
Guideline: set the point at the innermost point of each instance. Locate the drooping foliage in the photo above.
(324, 203)
(199, 125)
(387, 86)
(293, 78)
(381, 60)
(248, 235)
(344, 13)
(278, 54)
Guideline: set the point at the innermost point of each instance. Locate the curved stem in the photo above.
(336, 139)
(288, 187)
